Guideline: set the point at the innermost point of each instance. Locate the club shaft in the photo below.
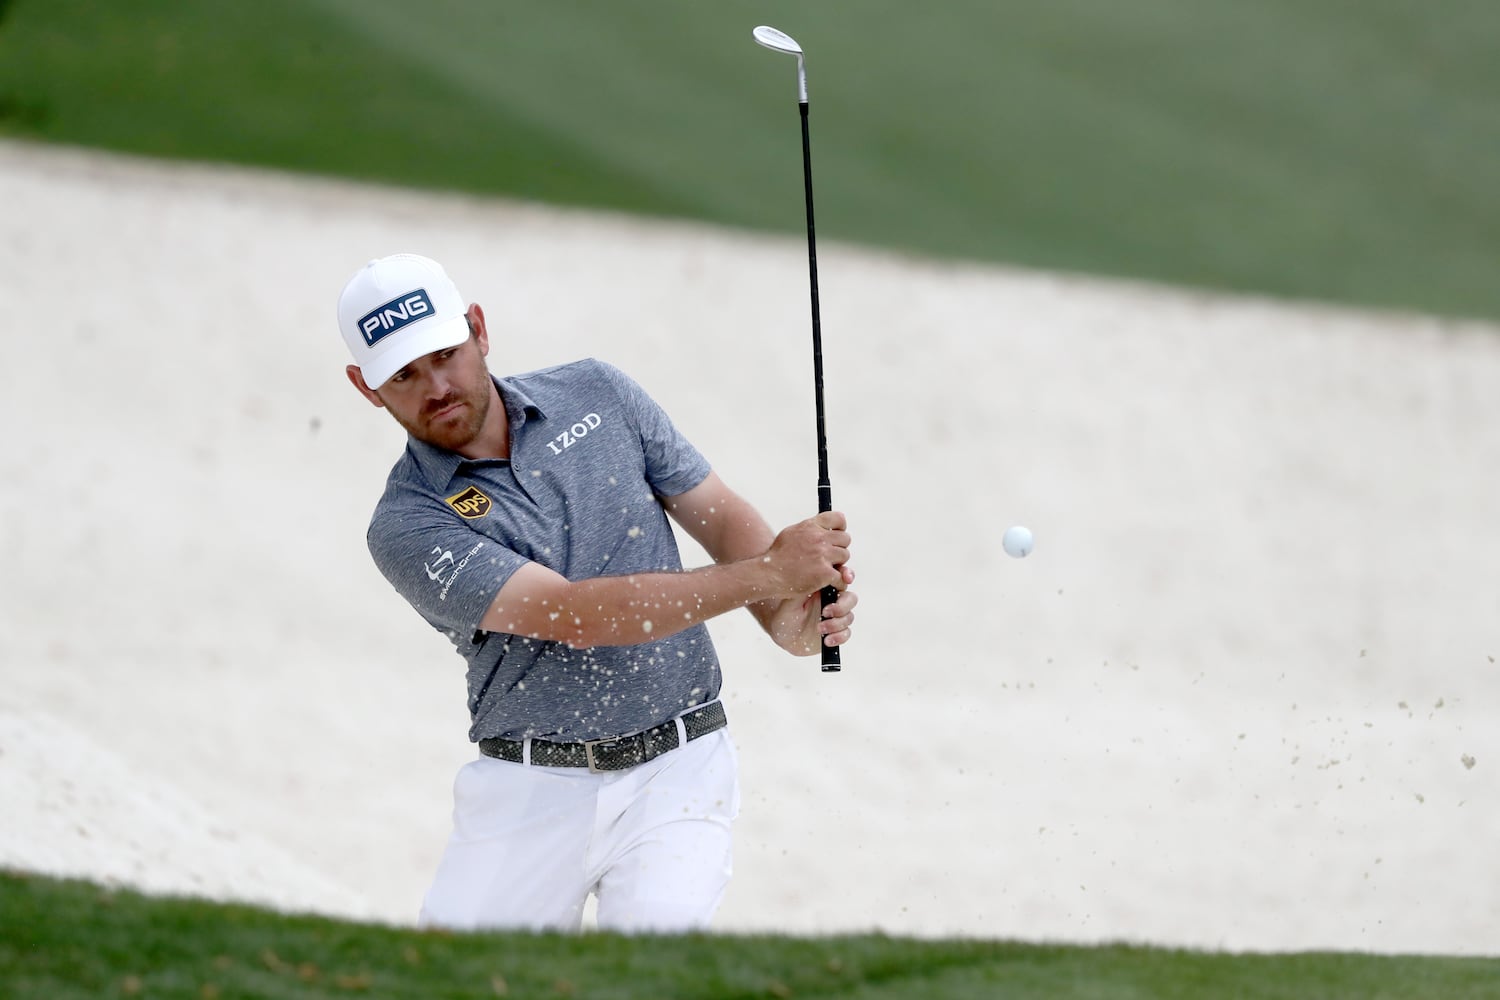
(830, 594)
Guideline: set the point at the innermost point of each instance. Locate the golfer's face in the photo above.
(442, 398)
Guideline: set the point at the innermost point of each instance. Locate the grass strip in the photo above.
(65, 939)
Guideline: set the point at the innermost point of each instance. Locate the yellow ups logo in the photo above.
(471, 503)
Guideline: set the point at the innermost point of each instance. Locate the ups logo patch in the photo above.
(470, 503)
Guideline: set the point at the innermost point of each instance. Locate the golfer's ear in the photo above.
(477, 329)
(357, 379)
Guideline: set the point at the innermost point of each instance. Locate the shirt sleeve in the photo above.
(447, 571)
(673, 465)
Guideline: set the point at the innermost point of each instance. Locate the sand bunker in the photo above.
(1243, 695)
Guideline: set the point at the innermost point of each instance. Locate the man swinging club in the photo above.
(527, 520)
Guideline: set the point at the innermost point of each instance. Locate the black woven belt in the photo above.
(612, 754)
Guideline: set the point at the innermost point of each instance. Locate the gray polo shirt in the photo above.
(590, 454)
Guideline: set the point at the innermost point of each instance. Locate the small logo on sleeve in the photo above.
(384, 320)
(444, 564)
(470, 503)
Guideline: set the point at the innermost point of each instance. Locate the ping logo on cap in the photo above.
(470, 503)
(386, 319)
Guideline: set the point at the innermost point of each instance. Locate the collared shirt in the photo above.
(591, 453)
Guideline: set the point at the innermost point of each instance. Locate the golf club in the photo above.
(779, 41)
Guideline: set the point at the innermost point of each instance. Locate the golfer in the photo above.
(527, 522)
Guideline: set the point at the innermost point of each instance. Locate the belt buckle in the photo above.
(613, 743)
(588, 753)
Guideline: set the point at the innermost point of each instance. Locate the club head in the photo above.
(778, 40)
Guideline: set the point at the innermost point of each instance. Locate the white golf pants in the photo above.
(530, 843)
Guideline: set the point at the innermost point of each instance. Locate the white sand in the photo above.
(1227, 703)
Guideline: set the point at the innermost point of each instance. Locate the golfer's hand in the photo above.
(807, 556)
(837, 619)
(797, 624)
(820, 546)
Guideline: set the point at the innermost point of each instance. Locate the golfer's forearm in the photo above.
(640, 607)
(727, 526)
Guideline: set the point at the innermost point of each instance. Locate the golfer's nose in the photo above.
(438, 385)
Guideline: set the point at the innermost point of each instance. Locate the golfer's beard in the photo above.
(452, 432)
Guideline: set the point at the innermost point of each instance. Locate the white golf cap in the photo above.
(396, 309)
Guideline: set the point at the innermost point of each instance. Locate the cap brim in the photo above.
(413, 343)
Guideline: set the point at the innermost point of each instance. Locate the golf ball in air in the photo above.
(1017, 542)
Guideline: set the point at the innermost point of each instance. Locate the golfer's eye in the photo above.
(400, 376)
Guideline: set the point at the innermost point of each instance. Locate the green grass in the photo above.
(61, 940)
(1333, 149)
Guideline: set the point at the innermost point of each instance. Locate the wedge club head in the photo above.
(780, 41)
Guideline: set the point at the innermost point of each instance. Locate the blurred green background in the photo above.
(1344, 150)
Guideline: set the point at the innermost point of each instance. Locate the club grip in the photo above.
(830, 593)
(830, 653)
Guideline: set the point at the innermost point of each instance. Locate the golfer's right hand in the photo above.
(807, 556)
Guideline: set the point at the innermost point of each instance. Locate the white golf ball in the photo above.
(1017, 542)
